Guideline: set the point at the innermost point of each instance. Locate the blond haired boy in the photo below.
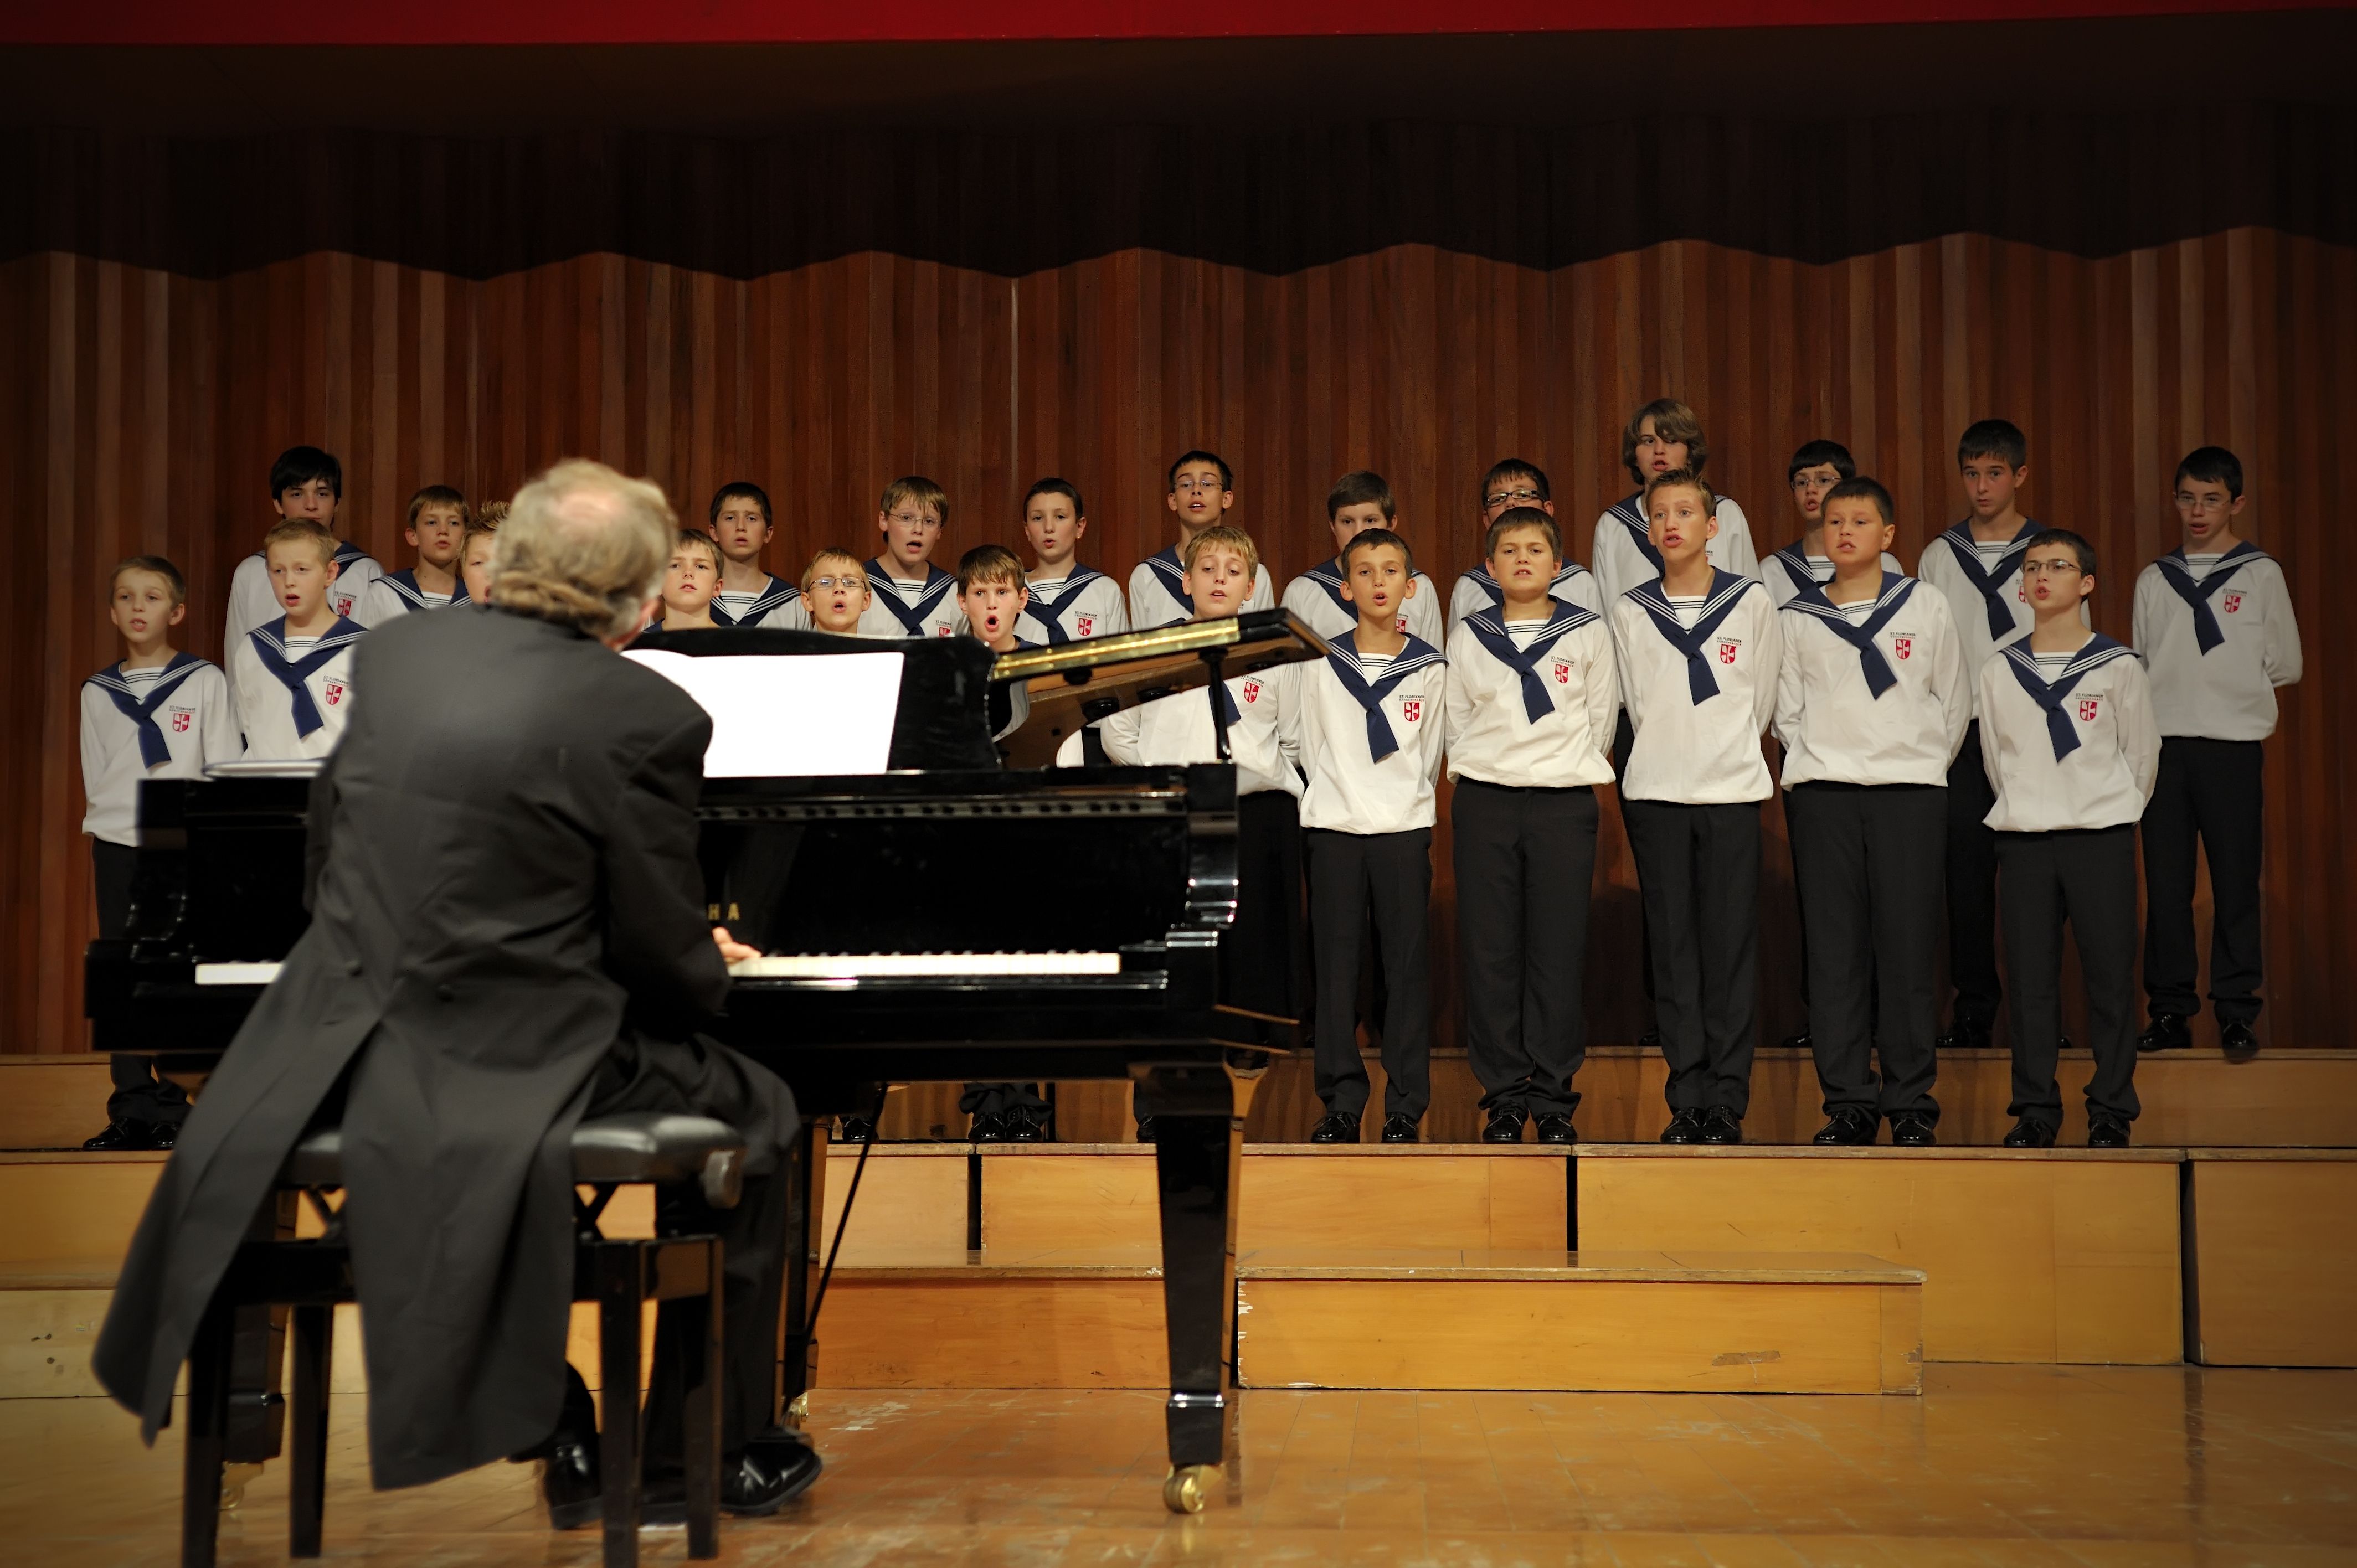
(290, 680)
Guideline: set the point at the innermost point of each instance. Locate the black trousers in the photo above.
(998, 1099)
(1524, 859)
(2089, 878)
(1698, 867)
(139, 1095)
(1624, 739)
(1867, 860)
(1389, 875)
(702, 1078)
(2210, 790)
(1972, 884)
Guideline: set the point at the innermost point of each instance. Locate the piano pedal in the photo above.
(1188, 1487)
(235, 1478)
(798, 1412)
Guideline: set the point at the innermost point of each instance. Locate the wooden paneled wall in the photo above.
(139, 411)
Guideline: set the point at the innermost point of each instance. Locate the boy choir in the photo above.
(1962, 740)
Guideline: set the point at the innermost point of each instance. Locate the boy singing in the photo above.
(1202, 488)
(911, 596)
(290, 680)
(836, 592)
(1068, 600)
(1511, 483)
(1358, 502)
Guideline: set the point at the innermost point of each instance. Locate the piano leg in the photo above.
(1198, 1114)
(805, 1252)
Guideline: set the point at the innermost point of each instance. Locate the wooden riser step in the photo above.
(2274, 1258)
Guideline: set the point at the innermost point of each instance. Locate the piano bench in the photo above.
(311, 1277)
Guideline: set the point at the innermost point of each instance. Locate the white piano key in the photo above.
(236, 973)
(853, 966)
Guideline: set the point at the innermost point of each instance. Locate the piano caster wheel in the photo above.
(233, 1483)
(798, 1412)
(1188, 1488)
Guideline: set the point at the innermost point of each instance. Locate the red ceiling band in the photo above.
(591, 22)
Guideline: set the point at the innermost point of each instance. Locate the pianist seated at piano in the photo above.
(690, 579)
(508, 932)
(836, 592)
(1266, 961)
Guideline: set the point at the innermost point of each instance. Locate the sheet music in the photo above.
(777, 717)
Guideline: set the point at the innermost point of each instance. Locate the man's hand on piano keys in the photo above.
(731, 949)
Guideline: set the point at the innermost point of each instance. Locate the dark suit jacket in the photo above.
(507, 886)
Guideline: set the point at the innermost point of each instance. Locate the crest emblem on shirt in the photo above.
(182, 719)
(1562, 672)
(1728, 647)
(2087, 710)
(941, 630)
(1903, 646)
(1251, 690)
(343, 604)
(1399, 623)
(2233, 601)
(1412, 710)
(1088, 625)
(335, 690)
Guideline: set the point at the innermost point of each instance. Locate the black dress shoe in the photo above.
(1399, 1129)
(1721, 1126)
(1965, 1034)
(1847, 1127)
(2028, 1134)
(1797, 1042)
(1505, 1126)
(989, 1127)
(125, 1136)
(1650, 1040)
(1025, 1125)
(2238, 1040)
(1685, 1127)
(1145, 1129)
(1334, 1127)
(163, 1134)
(1556, 1128)
(855, 1130)
(768, 1476)
(2166, 1032)
(568, 1484)
(1913, 1130)
(2105, 1130)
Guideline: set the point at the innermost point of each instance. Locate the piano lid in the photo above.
(1072, 684)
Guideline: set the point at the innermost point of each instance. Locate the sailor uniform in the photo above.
(2217, 636)
(1177, 729)
(1085, 604)
(396, 594)
(2072, 750)
(1370, 730)
(1316, 596)
(1625, 555)
(1157, 591)
(1698, 680)
(1476, 590)
(292, 695)
(902, 609)
(1872, 701)
(778, 606)
(253, 599)
(1794, 570)
(1990, 606)
(1530, 709)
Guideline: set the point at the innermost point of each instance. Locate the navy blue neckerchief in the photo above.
(2178, 572)
(1489, 584)
(270, 642)
(1227, 698)
(911, 619)
(2099, 649)
(1050, 612)
(1342, 658)
(1174, 577)
(776, 594)
(1795, 559)
(1488, 628)
(1897, 590)
(1725, 593)
(404, 584)
(154, 750)
(1991, 585)
(1631, 518)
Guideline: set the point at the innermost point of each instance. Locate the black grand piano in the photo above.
(1118, 974)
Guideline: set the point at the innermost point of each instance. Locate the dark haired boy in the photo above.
(1532, 686)
(1871, 702)
(2070, 749)
(1513, 484)
(1370, 721)
(1358, 502)
(1976, 566)
(1813, 473)
(1700, 649)
(1068, 600)
(305, 485)
(911, 596)
(1662, 438)
(1202, 488)
(438, 524)
(742, 525)
(155, 712)
(2214, 626)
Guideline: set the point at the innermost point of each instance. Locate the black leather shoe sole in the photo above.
(1557, 1130)
(664, 1502)
(1502, 1131)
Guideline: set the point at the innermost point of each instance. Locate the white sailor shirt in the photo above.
(2217, 680)
(1545, 726)
(1177, 729)
(1984, 587)
(908, 609)
(1698, 718)
(1082, 604)
(1793, 570)
(280, 721)
(396, 594)
(1157, 591)
(1894, 715)
(1476, 590)
(1316, 596)
(1349, 788)
(2093, 706)
(777, 607)
(167, 722)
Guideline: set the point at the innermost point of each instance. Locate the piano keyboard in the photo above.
(855, 966)
(812, 966)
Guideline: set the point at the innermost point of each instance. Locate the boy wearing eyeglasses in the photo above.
(1511, 483)
(836, 592)
(1202, 488)
(911, 595)
(2070, 749)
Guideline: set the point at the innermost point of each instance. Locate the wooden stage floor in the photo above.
(2085, 1467)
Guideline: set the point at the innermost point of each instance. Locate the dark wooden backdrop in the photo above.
(139, 409)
